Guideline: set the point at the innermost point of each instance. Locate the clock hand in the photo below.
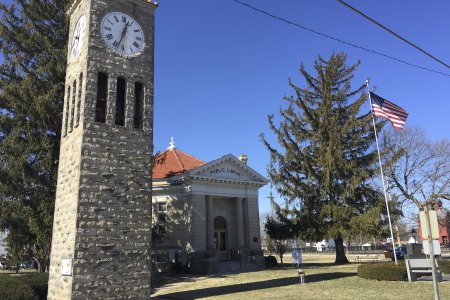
(123, 34)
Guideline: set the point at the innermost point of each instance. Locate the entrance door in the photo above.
(221, 237)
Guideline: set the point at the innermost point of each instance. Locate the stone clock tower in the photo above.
(102, 225)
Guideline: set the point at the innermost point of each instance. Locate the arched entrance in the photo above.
(221, 237)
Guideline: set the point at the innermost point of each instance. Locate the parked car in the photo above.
(29, 265)
(400, 252)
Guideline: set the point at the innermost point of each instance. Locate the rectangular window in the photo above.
(138, 105)
(80, 84)
(120, 102)
(66, 115)
(72, 106)
(102, 93)
(162, 215)
(162, 207)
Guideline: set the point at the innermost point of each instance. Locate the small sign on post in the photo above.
(433, 224)
(428, 217)
(436, 248)
(66, 266)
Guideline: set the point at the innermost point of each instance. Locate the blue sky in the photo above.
(221, 68)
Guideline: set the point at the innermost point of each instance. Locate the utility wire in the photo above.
(393, 33)
(338, 40)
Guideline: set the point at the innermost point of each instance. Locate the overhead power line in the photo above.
(338, 40)
(393, 33)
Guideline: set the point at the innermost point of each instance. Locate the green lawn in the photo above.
(324, 280)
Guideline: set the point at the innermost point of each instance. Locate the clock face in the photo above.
(122, 34)
(78, 37)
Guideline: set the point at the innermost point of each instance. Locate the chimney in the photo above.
(243, 158)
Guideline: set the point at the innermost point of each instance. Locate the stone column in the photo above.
(239, 223)
(210, 222)
(246, 223)
(251, 211)
(66, 112)
(111, 100)
(129, 104)
(198, 225)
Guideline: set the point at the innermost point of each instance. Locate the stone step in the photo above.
(236, 267)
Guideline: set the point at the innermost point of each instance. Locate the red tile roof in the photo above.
(173, 162)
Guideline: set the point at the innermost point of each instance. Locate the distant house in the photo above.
(206, 206)
(324, 245)
(2, 243)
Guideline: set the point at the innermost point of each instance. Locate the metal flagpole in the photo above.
(382, 176)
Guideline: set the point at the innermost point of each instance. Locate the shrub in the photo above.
(270, 261)
(13, 288)
(38, 282)
(383, 271)
(444, 266)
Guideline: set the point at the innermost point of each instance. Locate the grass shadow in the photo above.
(327, 276)
(245, 287)
(310, 265)
(164, 280)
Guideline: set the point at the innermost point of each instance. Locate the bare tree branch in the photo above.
(422, 171)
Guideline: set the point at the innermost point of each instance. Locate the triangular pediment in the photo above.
(229, 167)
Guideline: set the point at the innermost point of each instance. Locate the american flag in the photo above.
(383, 108)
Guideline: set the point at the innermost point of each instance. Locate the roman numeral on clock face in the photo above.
(122, 34)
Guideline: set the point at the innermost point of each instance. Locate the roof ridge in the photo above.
(189, 155)
(173, 162)
(178, 158)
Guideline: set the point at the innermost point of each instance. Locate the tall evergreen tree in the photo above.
(325, 160)
(33, 38)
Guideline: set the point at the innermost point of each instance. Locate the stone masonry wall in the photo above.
(103, 203)
(253, 223)
(178, 220)
(112, 255)
(67, 192)
(64, 223)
